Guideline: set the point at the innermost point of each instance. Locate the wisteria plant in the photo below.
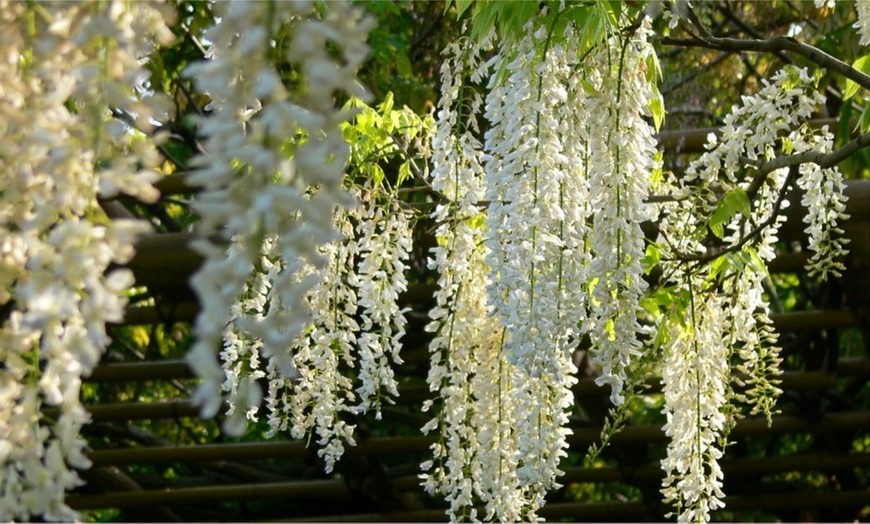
(558, 230)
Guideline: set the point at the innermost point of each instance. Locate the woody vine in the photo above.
(540, 164)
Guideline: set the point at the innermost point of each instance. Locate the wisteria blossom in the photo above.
(60, 153)
(863, 22)
(385, 238)
(466, 338)
(621, 163)
(241, 202)
(825, 203)
(738, 328)
(541, 169)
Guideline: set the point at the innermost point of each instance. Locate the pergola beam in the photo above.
(582, 437)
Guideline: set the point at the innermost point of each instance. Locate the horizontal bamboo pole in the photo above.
(732, 468)
(335, 491)
(123, 411)
(800, 321)
(420, 445)
(141, 371)
(586, 387)
(799, 501)
(187, 309)
(203, 453)
(797, 321)
(175, 409)
(629, 511)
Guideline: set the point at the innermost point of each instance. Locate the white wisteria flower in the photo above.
(54, 256)
(253, 190)
(863, 22)
(703, 395)
(621, 164)
(825, 202)
(477, 451)
(384, 245)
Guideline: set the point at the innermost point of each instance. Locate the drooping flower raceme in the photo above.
(55, 294)
(825, 203)
(241, 357)
(355, 320)
(384, 232)
(476, 453)
(360, 272)
(863, 22)
(621, 162)
(695, 371)
(703, 396)
(252, 189)
(537, 229)
(538, 244)
(322, 395)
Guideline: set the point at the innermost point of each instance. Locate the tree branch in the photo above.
(773, 45)
(824, 160)
(714, 253)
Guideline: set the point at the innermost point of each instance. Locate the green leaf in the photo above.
(477, 221)
(484, 16)
(755, 261)
(792, 78)
(657, 175)
(613, 9)
(651, 259)
(740, 200)
(653, 69)
(587, 86)
(864, 121)
(404, 173)
(787, 145)
(377, 175)
(657, 107)
(387, 105)
(734, 201)
(403, 65)
(718, 265)
(862, 64)
(461, 7)
(592, 30)
(736, 261)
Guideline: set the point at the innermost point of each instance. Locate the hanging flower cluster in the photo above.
(476, 451)
(863, 22)
(535, 225)
(253, 191)
(825, 203)
(730, 324)
(321, 395)
(621, 159)
(538, 230)
(65, 69)
(385, 247)
(364, 272)
(312, 275)
(503, 363)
